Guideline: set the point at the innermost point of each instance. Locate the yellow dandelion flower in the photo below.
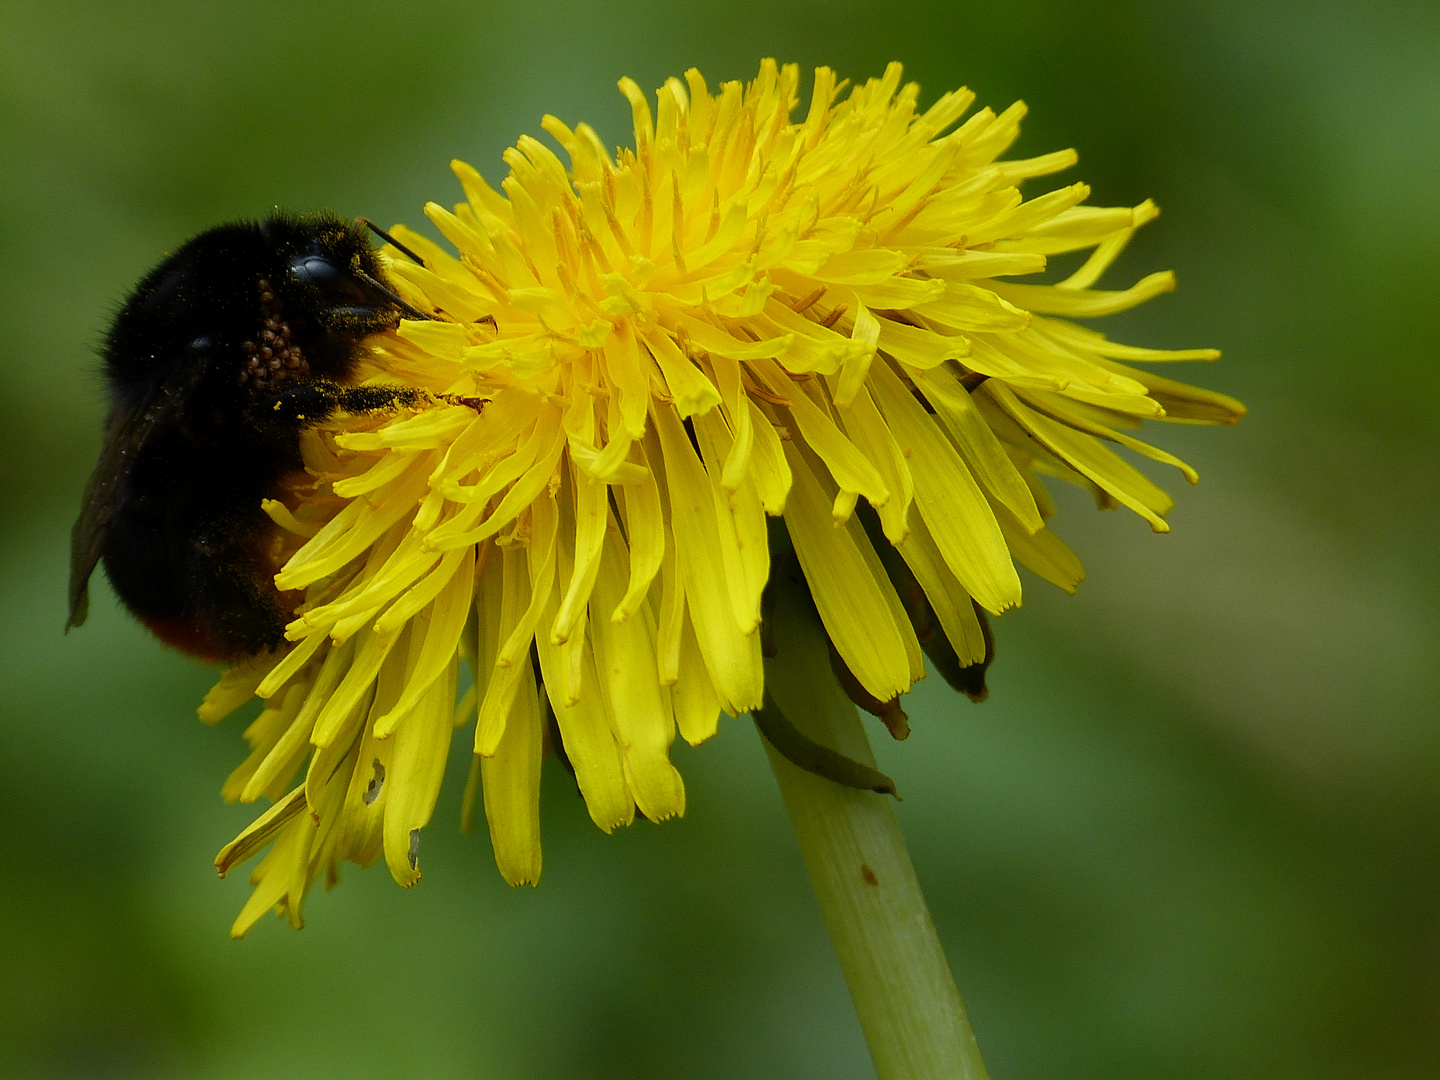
(637, 361)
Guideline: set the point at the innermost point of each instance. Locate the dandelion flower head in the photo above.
(758, 312)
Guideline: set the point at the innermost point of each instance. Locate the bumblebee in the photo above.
(214, 364)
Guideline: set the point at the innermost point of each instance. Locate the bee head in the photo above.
(331, 274)
(250, 307)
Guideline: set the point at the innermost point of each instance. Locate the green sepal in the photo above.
(804, 753)
(968, 679)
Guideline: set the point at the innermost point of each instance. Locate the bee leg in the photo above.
(377, 399)
(314, 402)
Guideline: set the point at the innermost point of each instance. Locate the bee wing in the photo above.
(127, 431)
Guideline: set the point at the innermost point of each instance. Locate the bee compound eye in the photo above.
(327, 277)
(315, 270)
(201, 345)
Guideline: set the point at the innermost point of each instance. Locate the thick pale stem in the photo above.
(904, 994)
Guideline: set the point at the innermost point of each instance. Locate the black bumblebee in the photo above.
(215, 363)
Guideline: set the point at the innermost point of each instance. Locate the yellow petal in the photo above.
(851, 469)
(866, 428)
(236, 686)
(732, 657)
(919, 348)
(697, 707)
(948, 598)
(441, 641)
(866, 332)
(622, 360)
(744, 544)
(362, 522)
(1091, 460)
(370, 652)
(639, 706)
(523, 493)
(1042, 553)
(645, 527)
(949, 500)
(692, 391)
(290, 749)
(1085, 303)
(853, 605)
(737, 414)
(711, 338)
(373, 777)
(422, 744)
(385, 469)
(769, 472)
(671, 611)
(967, 307)
(285, 869)
(511, 782)
(274, 721)
(1092, 341)
(591, 514)
(978, 445)
(585, 731)
(260, 832)
(1073, 415)
(527, 590)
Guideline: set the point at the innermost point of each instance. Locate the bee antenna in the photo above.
(387, 292)
(366, 223)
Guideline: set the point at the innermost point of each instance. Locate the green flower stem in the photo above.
(904, 994)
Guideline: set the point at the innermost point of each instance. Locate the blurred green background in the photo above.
(1194, 833)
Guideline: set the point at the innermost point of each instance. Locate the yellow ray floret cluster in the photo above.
(744, 316)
